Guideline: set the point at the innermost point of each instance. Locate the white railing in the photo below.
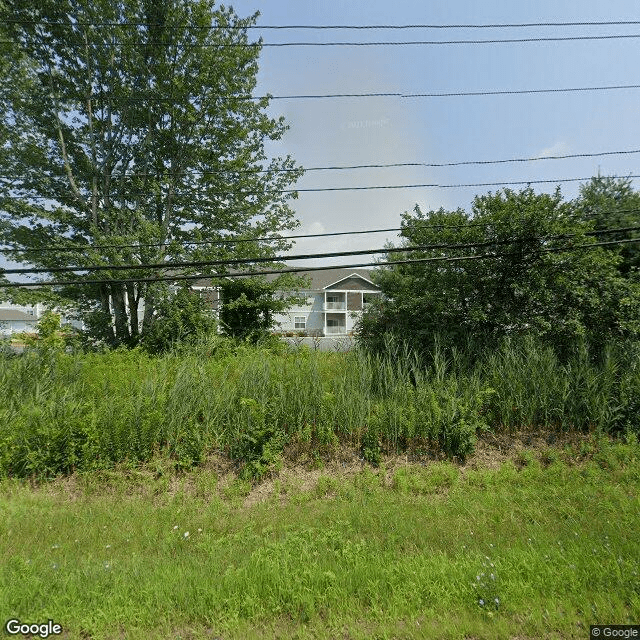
(328, 306)
(332, 331)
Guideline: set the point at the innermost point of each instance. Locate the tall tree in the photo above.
(133, 122)
(612, 203)
(515, 282)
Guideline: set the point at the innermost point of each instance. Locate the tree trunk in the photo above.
(133, 310)
(106, 309)
(123, 336)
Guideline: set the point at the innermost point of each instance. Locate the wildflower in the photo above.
(108, 546)
(497, 601)
(56, 546)
(478, 578)
(174, 528)
(493, 576)
(54, 566)
(186, 534)
(481, 602)
(199, 530)
(107, 566)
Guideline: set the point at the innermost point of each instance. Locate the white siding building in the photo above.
(331, 306)
(15, 318)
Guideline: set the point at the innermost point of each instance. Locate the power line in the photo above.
(460, 163)
(451, 94)
(309, 256)
(184, 277)
(501, 25)
(260, 45)
(224, 241)
(391, 94)
(438, 186)
(366, 188)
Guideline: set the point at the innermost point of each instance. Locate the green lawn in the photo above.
(540, 547)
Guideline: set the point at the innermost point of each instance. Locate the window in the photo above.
(300, 322)
(30, 312)
(332, 298)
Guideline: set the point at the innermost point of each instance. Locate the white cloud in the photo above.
(560, 148)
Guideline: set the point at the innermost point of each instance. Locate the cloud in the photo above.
(560, 148)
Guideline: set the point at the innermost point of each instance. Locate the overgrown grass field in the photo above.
(62, 413)
(115, 525)
(537, 549)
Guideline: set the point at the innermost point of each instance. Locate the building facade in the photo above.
(331, 305)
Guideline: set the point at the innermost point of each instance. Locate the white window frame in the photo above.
(299, 320)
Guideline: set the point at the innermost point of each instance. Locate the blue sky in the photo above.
(394, 130)
(387, 130)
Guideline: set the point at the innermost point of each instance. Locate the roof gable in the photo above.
(354, 281)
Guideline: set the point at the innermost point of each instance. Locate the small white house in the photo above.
(15, 318)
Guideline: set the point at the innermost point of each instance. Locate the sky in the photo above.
(382, 130)
(438, 130)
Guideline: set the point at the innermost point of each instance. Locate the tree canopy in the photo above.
(502, 270)
(129, 128)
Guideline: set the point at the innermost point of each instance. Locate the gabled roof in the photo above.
(319, 280)
(7, 315)
(353, 274)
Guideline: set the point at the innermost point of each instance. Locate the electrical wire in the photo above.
(387, 94)
(500, 25)
(225, 241)
(309, 256)
(184, 277)
(367, 188)
(406, 43)
(195, 174)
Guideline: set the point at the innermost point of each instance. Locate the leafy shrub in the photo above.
(256, 443)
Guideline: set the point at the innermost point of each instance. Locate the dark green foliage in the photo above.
(611, 203)
(257, 442)
(519, 285)
(370, 448)
(182, 319)
(138, 138)
(65, 412)
(248, 306)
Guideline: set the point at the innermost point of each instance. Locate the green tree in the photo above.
(248, 306)
(516, 283)
(180, 319)
(132, 124)
(612, 203)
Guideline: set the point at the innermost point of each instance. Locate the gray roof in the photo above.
(7, 315)
(319, 279)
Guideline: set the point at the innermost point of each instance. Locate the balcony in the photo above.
(334, 306)
(335, 331)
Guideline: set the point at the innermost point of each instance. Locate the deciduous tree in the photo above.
(501, 276)
(129, 128)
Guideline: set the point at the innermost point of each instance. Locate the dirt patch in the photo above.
(218, 475)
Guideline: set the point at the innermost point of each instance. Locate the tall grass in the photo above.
(61, 412)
